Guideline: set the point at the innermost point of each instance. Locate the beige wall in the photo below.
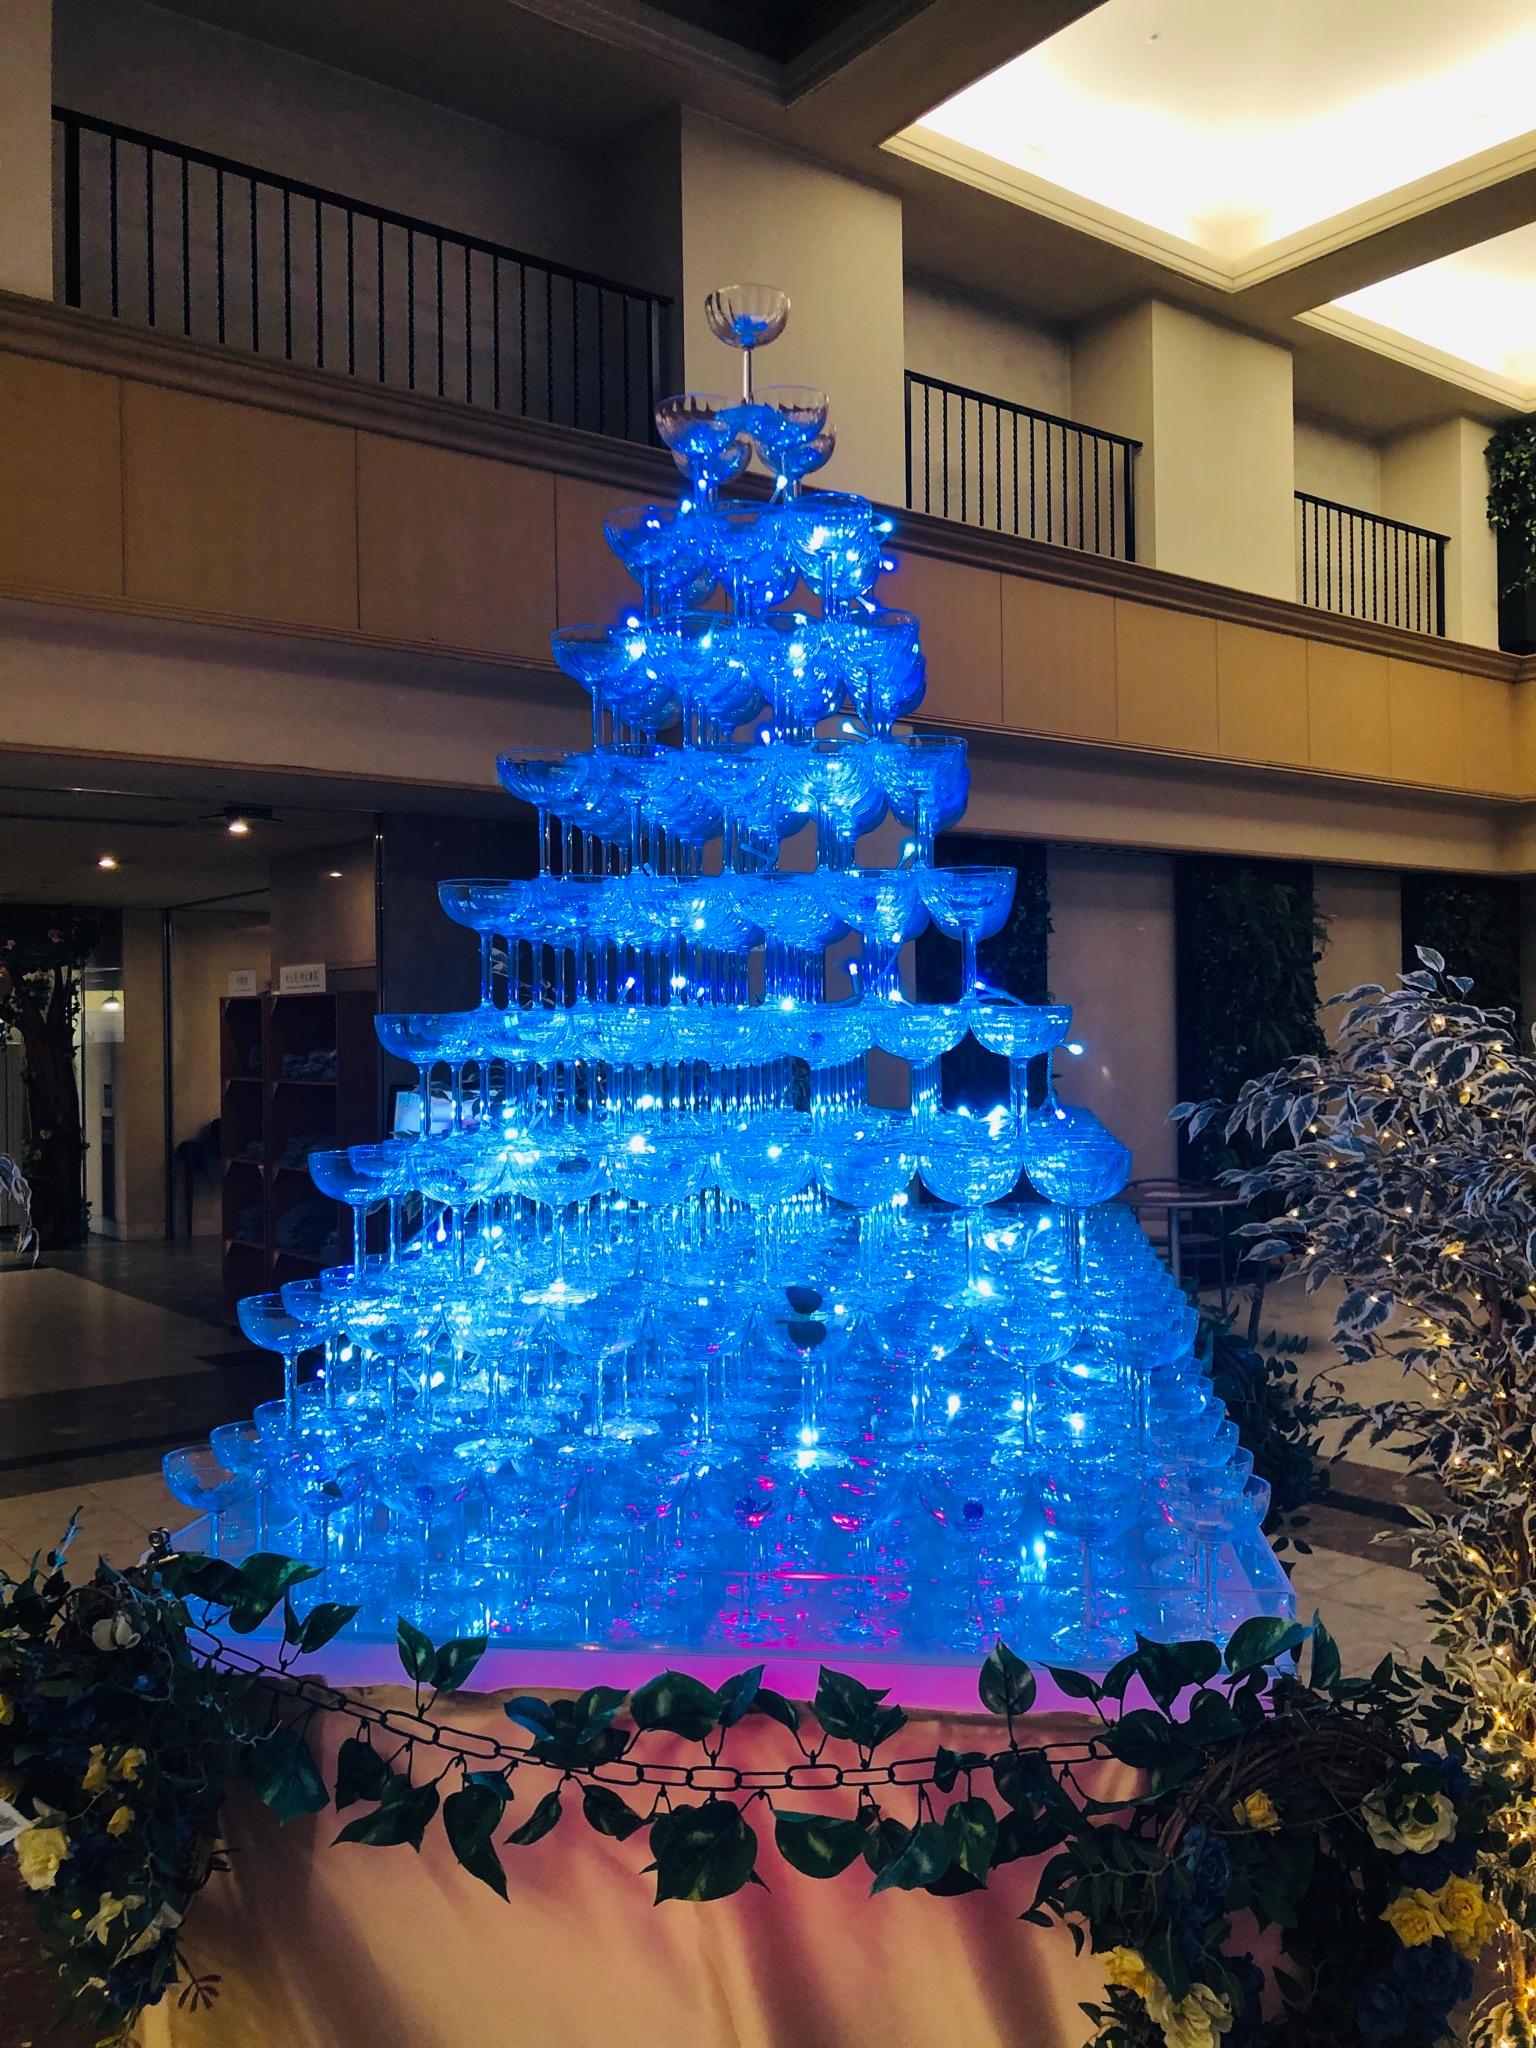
(754, 212)
(1364, 910)
(154, 69)
(26, 147)
(1111, 958)
(1213, 410)
(316, 916)
(140, 1092)
(207, 946)
(1331, 463)
(991, 349)
(1438, 478)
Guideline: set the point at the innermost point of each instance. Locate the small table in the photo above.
(1177, 1199)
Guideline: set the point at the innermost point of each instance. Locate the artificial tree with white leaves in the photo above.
(1402, 1163)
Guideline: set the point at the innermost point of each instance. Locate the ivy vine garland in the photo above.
(1334, 1817)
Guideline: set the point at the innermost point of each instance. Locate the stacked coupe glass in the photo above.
(671, 1335)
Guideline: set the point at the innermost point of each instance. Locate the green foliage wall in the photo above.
(1016, 960)
(1247, 940)
(1474, 922)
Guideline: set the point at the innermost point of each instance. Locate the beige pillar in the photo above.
(26, 147)
(1111, 934)
(1437, 477)
(1213, 411)
(140, 1090)
(753, 212)
(1363, 908)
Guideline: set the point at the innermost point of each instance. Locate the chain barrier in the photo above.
(480, 1751)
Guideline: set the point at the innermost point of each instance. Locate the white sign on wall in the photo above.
(307, 978)
(244, 981)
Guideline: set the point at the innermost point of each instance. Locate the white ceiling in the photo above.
(1477, 306)
(1231, 127)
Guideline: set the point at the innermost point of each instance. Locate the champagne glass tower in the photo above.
(671, 1334)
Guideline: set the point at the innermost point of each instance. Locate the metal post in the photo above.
(71, 213)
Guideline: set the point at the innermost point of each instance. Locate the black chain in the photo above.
(485, 1751)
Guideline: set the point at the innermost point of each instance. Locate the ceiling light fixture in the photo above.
(334, 874)
(112, 1002)
(238, 825)
(106, 860)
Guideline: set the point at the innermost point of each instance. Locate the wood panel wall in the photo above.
(291, 501)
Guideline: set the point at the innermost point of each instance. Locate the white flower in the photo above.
(1197, 2020)
(164, 1920)
(117, 1632)
(1409, 1837)
(98, 1927)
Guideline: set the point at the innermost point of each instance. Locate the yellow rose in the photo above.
(1123, 1966)
(10, 1785)
(95, 1779)
(1414, 1917)
(39, 1852)
(7, 1710)
(1470, 1920)
(130, 1763)
(121, 1820)
(1197, 2020)
(1256, 1811)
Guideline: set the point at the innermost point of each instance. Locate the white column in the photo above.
(754, 213)
(1437, 477)
(26, 147)
(1213, 411)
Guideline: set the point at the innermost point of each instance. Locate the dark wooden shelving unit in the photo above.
(269, 1117)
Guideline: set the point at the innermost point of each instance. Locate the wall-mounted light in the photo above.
(238, 825)
(334, 874)
(106, 860)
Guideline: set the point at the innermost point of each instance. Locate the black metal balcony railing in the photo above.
(175, 238)
(988, 462)
(1368, 567)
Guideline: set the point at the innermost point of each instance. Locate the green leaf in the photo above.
(1007, 1685)
(1077, 1685)
(676, 1702)
(1146, 1741)
(321, 1624)
(1167, 1669)
(532, 1713)
(701, 1852)
(923, 1861)
(776, 1707)
(595, 1708)
(608, 1813)
(735, 1697)
(818, 1844)
(401, 1816)
(265, 1578)
(1019, 1835)
(213, 1579)
(885, 1842)
(361, 1773)
(417, 1655)
(539, 1822)
(1326, 1665)
(970, 1829)
(284, 1773)
(455, 1661)
(1261, 1641)
(851, 1712)
(946, 1768)
(470, 1819)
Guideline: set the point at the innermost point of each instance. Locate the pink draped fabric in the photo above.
(323, 1946)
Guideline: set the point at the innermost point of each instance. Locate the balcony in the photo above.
(1366, 567)
(184, 242)
(988, 462)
